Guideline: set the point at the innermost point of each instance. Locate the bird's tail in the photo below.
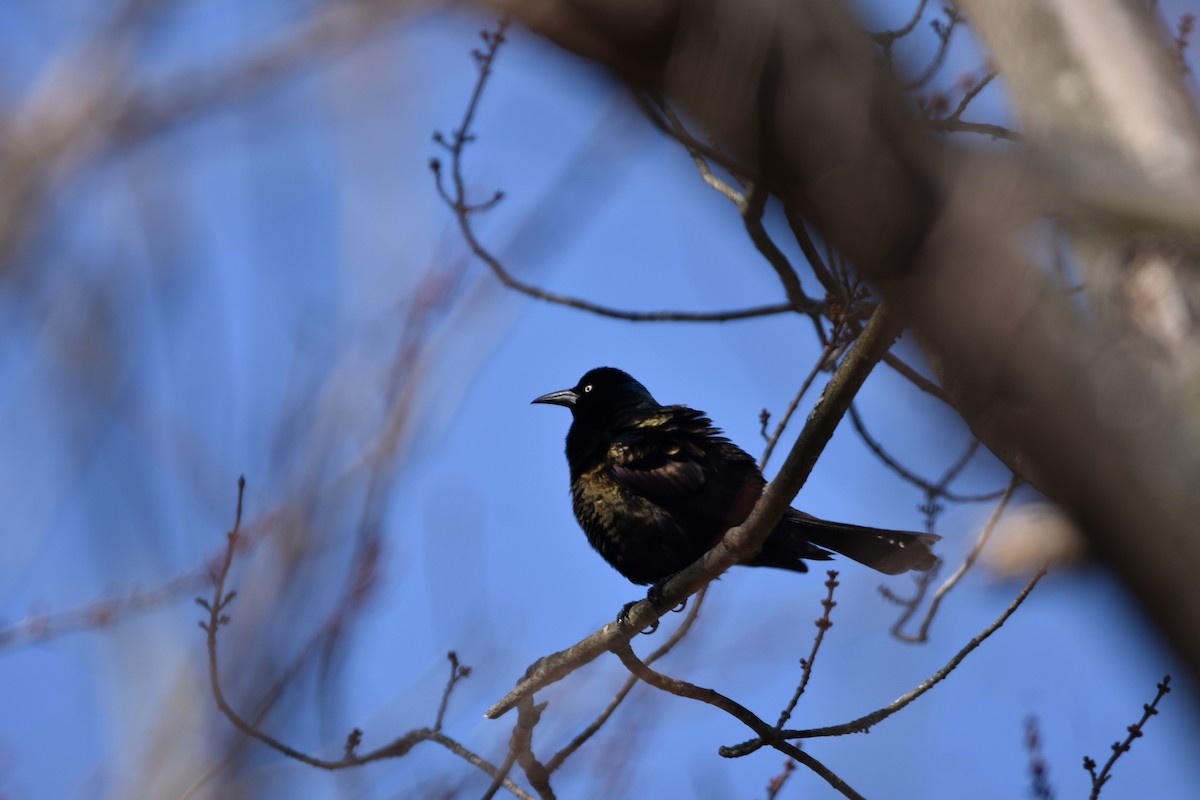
(889, 552)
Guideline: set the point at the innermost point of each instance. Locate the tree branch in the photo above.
(737, 543)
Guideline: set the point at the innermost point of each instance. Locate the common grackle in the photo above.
(656, 486)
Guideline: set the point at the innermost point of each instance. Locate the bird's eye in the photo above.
(587, 388)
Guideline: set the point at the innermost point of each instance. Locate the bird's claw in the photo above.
(623, 617)
(655, 596)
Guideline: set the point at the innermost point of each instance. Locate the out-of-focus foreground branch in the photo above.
(87, 102)
(1096, 409)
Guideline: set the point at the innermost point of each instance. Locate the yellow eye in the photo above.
(587, 388)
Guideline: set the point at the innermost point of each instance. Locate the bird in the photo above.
(656, 486)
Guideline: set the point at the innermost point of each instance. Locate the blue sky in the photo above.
(244, 280)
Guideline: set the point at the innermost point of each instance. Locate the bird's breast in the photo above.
(642, 540)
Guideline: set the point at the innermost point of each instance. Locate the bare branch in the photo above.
(398, 747)
(1038, 771)
(677, 636)
(752, 217)
(945, 31)
(981, 128)
(738, 542)
(886, 38)
(866, 722)
(456, 199)
(734, 709)
(773, 439)
(521, 746)
(915, 378)
(923, 634)
(823, 624)
(457, 673)
(1122, 747)
(929, 487)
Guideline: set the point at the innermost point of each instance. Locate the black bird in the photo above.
(654, 487)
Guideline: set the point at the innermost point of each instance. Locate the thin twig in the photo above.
(398, 747)
(1039, 773)
(733, 708)
(929, 487)
(752, 218)
(1120, 748)
(808, 247)
(823, 624)
(944, 31)
(773, 440)
(916, 378)
(981, 128)
(662, 116)
(751, 206)
(456, 200)
(679, 132)
(923, 633)
(887, 37)
(776, 784)
(867, 721)
(970, 94)
(457, 673)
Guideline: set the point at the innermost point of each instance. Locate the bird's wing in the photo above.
(657, 457)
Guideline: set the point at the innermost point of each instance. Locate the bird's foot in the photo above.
(655, 596)
(623, 617)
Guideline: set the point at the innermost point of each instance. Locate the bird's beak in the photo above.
(566, 397)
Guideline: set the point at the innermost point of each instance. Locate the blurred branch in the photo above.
(981, 128)
(954, 123)
(887, 38)
(945, 31)
(217, 618)
(922, 634)
(85, 105)
(915, 378)
(1039, 787)
(104, 613)
(776, 784)
(99, 613)
(971, 93)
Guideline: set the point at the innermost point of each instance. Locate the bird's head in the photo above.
(601, 393)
